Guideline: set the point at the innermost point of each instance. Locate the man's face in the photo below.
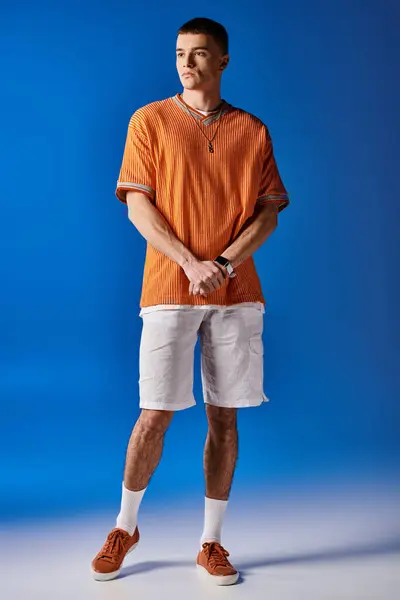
(198, 61)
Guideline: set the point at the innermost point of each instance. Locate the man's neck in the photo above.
(202, 100)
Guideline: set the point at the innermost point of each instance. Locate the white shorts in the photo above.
(231, 357)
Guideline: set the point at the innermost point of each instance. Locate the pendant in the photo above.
(210, 147)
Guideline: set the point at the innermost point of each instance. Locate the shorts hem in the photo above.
(167, 406)
(238, 404)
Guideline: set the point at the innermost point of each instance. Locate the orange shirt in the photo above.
(206, 197)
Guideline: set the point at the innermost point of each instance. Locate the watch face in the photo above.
(223, 261)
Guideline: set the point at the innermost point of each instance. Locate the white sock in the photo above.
(130, 502)
(213, 517)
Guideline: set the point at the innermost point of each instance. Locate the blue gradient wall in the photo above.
(323, 77)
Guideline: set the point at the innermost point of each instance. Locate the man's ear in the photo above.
(224, 62)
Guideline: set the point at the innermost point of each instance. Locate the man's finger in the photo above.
(222, 274)
(212, 285)
(220, 278)
(200, 290)
(207, 285)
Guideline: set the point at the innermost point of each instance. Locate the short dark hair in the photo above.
(209, 27)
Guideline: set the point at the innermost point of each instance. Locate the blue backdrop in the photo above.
(323, 77)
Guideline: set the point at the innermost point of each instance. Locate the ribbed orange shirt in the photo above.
(206, 197)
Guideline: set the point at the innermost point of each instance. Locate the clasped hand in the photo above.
(204, 277)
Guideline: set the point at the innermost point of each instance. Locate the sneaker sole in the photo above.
(108, 576)
(217, 579)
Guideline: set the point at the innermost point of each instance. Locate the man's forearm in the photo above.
(253, 234)
(154, 228)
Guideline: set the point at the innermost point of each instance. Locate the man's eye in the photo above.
(201, 53)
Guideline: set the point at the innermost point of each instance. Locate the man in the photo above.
(201, 185)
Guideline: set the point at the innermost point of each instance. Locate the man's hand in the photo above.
(205, 277)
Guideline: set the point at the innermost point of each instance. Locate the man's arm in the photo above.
(154, 228)
(254, 233)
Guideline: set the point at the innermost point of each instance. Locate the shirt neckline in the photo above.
(204, 119)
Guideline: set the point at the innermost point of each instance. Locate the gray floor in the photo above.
(324, 545)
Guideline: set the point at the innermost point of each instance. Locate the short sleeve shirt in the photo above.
(206, 197)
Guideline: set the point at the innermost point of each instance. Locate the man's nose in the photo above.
(189, 60)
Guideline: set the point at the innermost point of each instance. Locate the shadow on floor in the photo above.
(379, 548)
(154, 565)
(386, 546)
(148, 566)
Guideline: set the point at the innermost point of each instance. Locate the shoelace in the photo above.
(216, 555)
(114, 546)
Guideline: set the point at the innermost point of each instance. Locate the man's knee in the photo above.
(221, 420)
(155, 421)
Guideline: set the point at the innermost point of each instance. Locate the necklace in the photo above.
(210, 140)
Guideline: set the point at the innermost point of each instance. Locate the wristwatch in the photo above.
(221, 260)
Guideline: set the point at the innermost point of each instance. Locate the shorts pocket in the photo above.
(256, 345)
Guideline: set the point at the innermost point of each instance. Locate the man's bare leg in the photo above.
(220, 455)
(220, 451)
(145, 447)
(142, 457)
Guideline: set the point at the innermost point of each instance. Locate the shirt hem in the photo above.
(189, 301)
(173, 306)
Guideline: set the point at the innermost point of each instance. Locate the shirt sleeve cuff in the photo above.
(127, 186)
(282, 200)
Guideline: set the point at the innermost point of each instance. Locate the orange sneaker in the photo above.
(213, 564)
(107, 564)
